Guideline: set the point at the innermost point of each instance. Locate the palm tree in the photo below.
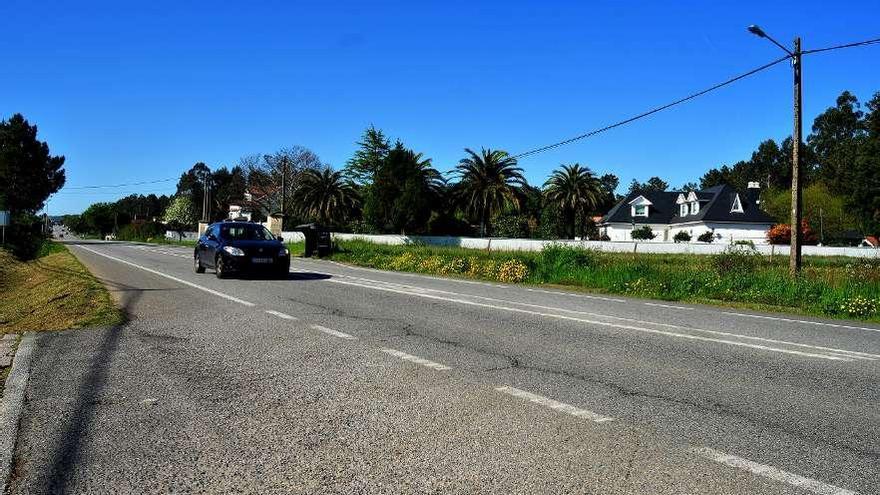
(489, 183)
(326, 196)
(575, 190)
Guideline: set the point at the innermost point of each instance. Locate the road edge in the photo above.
(11, 407)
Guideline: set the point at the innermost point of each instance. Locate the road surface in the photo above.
(349, 380)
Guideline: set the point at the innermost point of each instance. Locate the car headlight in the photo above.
(283, 252)
(234, 251)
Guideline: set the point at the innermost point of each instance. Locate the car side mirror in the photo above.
(280, 238)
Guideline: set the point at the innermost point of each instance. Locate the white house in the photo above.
(729, 214)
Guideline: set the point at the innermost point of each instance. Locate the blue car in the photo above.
(241, 247)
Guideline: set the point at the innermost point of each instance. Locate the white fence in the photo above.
(503, 244)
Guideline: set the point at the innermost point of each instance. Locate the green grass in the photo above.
(829, 286)
(52, 292)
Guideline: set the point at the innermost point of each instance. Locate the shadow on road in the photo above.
(66, 457)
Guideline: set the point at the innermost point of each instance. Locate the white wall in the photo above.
(623, 232)
(503, 244)
(725, 233)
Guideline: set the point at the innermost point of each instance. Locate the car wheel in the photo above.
(219, 268)
(197, 264)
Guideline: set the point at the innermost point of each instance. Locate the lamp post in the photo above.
(794, 264)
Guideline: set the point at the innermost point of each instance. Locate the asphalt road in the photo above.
(348, 380)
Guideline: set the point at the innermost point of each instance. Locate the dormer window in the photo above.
(683, 210)
(695, 207)
(639, 207)
(737, 206)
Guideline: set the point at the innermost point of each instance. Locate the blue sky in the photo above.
(141, 92)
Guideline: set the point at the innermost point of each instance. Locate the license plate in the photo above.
(261, 260)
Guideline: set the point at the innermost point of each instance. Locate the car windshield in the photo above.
(246, 232)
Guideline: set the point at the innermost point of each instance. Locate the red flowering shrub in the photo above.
(781, 233)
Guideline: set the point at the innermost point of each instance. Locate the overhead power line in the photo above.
(124, 184)
(652, 111)
(838, 47)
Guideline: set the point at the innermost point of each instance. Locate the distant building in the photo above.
(729, 214)
(237, 212)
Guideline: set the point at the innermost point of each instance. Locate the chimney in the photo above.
(753, 194)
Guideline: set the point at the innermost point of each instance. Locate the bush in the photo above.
(682, 236)
(643, 233)
(781, 234)
(735, 260)
(558, 261)
(745, 242)
(706, 236)
(24, 236)
(604, 237)
(139, 231)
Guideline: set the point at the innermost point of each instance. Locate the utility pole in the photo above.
(283, 186)
(794, 263)
(206, 201)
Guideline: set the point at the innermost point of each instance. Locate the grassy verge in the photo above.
(52, 292)
(830, 287)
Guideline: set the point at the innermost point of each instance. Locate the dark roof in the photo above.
(715, 206)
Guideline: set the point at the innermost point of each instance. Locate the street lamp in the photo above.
(794, 264)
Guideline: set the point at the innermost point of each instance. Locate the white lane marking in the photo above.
(597, 322)
(334, 333)
(415, 359)
(280, 314)
(668, 306)
(826, 350)
(552, 404)
(733, 313)
(773, 473)
(171, 277)
(807, 322)
(470, 282)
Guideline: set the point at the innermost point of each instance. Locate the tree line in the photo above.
(387, 187)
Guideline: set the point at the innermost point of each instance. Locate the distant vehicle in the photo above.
(240, 247)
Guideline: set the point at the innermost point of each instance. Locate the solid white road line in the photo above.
(611, 299)
(334, 333)
(415, 359)
(831, 357)
(171, 277)
(667, 306)
(473, 282)
(552, 404)
(280, 314)
(773, 473)
(806, 322)
(825, 350)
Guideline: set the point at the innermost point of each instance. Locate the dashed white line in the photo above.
(773, 473)
(556, 405)
(280, 314)
(415, 359)
(335, 333)
(171, 277)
